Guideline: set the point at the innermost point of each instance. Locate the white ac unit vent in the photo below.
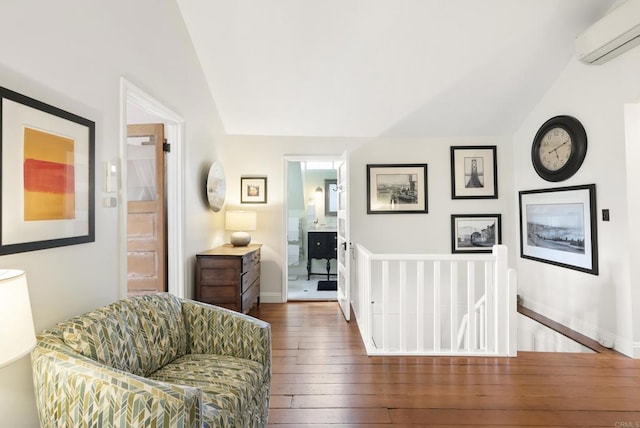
(614, 34)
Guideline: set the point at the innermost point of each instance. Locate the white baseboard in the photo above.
(270, 297)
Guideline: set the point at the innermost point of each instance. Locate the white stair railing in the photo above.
(425, 304)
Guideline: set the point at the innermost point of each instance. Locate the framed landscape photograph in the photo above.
(253, 190)
(475, 233)
(47, 191)
(558, 226)
(474, 172)
(397, 189)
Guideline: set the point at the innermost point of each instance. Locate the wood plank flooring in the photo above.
(322, 377)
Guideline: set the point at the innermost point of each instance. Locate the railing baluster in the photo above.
(420, 306)
(471, 303)
(437, 307)
(385, 303)
(453, 282)
(402, 314)
(485, 332)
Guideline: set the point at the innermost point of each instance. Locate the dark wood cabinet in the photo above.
(229, 276)
(321, 244)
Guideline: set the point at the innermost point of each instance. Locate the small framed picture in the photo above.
(474, 172)
(475, 233)
(397, 189)
(559, 226)
(253, 190)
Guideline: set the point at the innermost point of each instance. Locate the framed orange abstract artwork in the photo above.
(47, 191)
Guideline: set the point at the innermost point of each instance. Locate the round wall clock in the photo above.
(216, 187)
(559, 148)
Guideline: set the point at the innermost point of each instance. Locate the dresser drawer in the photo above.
(250, 260)
(249, 277)
(225, 293)
(250, 296)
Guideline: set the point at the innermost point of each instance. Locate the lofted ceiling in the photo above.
(382, 68)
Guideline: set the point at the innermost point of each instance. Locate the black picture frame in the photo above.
(47, 159)
(475, 233)
(558, 226)
(397, 189)
(474, 172)
(253, 190)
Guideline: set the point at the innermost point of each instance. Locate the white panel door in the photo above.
(344, 244)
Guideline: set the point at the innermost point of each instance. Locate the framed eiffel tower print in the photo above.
(474, 172)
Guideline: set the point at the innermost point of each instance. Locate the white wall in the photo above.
(72, 54)
(603, 305)
(256, 155)
(424, 233)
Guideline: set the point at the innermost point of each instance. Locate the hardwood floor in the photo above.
(322, 377)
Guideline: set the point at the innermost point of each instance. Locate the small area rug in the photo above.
(327, 285)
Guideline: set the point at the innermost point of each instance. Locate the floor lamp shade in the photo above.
(241, 222)
(17, 335)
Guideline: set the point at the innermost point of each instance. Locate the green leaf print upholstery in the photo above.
(154, 360)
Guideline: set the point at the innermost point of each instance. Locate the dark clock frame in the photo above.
(579, 148)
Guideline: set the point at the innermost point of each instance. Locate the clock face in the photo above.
(555, 149)
(559, 147)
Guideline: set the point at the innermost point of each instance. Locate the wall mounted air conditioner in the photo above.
(614, 34)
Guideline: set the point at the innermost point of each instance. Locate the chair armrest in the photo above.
(72, 390)
(215, 330)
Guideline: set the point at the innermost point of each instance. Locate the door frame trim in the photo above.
(174, 133)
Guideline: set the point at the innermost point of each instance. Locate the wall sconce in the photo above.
(241, 222)
(17, 335)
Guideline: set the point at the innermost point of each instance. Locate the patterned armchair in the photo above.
(154, 361)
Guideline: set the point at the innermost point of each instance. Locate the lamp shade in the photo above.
(241, 220)
(17, 335)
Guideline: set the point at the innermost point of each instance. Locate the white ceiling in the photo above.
(371, 68)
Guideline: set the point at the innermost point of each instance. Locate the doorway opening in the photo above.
(311, 224)
(136, 106)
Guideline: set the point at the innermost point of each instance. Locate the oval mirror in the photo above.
(216, 186)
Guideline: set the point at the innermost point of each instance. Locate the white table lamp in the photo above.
(241, 222)
(17, 335)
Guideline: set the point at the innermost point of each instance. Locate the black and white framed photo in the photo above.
(397, 189)
(253, 190)
(475, 233)
(474, 172)
(559, 226)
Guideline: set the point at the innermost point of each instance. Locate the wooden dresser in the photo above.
(229, 276)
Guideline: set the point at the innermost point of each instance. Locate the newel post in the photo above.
(505, 304)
